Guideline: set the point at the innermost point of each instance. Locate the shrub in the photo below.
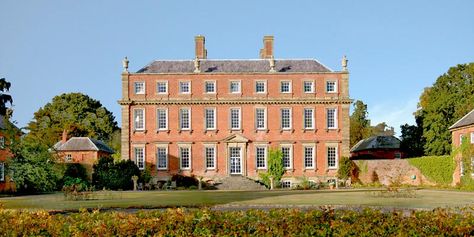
(275, 168)
(438, 169)
(111, 175)
(185, 181)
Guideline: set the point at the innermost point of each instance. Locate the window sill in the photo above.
(262, 130)
(287, 130)
(140, 131)
(162, 169)
(236, 130)
(215, 131)
(163, 131)
(185, 130)
(309, 130)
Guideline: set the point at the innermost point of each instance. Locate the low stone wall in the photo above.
(387, 172)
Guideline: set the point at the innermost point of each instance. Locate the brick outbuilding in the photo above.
(218, 117)
(462, 129)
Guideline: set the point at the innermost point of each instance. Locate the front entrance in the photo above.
(235, 160)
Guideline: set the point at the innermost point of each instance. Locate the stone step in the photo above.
(239, 183)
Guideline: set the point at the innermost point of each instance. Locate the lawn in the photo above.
(424, 199)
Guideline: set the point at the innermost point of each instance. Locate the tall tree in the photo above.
(77, 113)
(382, 129)
(4, 98)
(360, 124)
(412, 138)
(448, 100)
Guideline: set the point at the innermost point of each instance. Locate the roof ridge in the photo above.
(459, 121)
(93, 143)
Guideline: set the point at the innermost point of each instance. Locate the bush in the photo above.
(110, 175)
(185, 181)
(438, 169)
(204, 222)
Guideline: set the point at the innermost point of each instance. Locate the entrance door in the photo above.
(235, 160)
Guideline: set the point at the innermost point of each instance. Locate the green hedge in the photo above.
(438, 169)
(204, 222)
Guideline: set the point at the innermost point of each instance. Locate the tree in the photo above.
(77, 113)
(449, 99)
(412, 140)
(382, 129)
(275, 168)
(360, 124)
(346, 167)
(114, 175)
(4, 98)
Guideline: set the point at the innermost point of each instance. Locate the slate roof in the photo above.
(234, 66)
(377, 142)
(467, 120)
(82, 144)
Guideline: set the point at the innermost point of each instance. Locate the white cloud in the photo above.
(393, 114)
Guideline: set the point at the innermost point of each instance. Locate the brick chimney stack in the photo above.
(64, 136)
(267, 51)
(201, 52)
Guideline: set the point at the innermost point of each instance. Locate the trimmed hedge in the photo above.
(438, 169)
(204, 222)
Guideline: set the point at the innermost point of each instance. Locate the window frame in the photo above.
(135, 91)
(165, 147)
(264, 87)
(214, 123)
(239, 82)
(312, 118)
(290, 118)
(239, 118)
(166, 88)
(135, 157)
(334, 87)
(265, 157)
(313, 156)
(214, 156)
(135, 122)
(289, 86)
(180, 91)
(180, 149)
(181, 119)
(2, 142)
(312, 86)
(214, 83)
(336, 157)
(290, 154)
(68, 157)
(264, 118)
(335, 119)
(285, 182)
(158, 119)
(2, 171)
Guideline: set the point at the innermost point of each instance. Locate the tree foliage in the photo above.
(360, 124)
(382, 129)
(114, 175)
(440, 106)
(77, 113)
(346, 166)
(412, 140)
(275, 167)
(4, 98)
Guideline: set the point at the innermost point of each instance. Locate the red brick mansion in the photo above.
(216, 118)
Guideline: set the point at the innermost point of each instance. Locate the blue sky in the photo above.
(395, 48)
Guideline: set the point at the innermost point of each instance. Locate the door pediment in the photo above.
(236, 138)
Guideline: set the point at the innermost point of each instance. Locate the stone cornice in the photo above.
(285, 101)
(237, 73)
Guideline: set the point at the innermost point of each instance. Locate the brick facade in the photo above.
(232, 149)
(456, 135)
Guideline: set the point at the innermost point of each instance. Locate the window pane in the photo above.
(139, 87)
(331, 118)
(235, 118)
(308, 86)
(285, 87)
(184, 119)
(161, 87)
(210, 118)
(286, 156)
(331, 86)
(210, 87)
(140, 157)
(162, 119)
(260, 87)
(139, 119)
(260, 118)
(235, 87)
(184, 87)
(308, 118)
(308, 157)
(285, 118)
(185, 157)
(261, 154)
(162, 158)
(332, 157)
(210, 157)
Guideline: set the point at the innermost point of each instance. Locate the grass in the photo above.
(155, 199)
